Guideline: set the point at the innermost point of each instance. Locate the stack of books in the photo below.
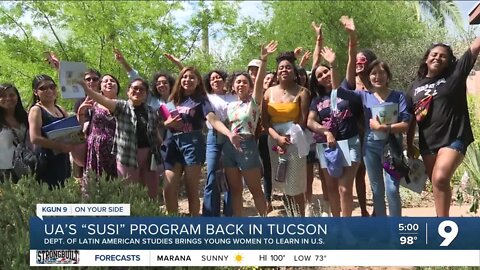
(66, 130)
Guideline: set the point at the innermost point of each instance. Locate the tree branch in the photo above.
(19, 26)
(102, 46)
(163, 19)
(192, 45)
(54, 33)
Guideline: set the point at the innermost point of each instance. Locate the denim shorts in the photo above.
(246, 160)
(456, 145)
(185, 148)
(355, 147)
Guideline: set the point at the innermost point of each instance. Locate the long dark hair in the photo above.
(206, 79)
(20, 114)
(153, 84)
(452, 61)
(315, 87)
(177, 93)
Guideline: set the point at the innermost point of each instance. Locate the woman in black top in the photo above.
(54, 163)
(443, 123)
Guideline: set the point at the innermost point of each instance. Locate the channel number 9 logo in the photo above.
(448, 234)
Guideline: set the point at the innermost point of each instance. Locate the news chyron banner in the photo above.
(105, 235)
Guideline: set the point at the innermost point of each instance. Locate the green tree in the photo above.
(440, 11)
(289, 23)
(88, 31)
(209, 21)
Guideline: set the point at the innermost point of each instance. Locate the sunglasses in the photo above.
(361, 60)
(441, 44)
(47, 86)
(92, 79)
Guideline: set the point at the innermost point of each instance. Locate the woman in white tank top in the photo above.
(13, 125)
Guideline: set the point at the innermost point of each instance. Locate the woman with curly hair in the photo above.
(440, 100)
(287, 104)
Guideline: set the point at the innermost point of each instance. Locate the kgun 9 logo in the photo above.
(449, 235)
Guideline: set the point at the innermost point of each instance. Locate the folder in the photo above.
(66, 130)
(69, 74)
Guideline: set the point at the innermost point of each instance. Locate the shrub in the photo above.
(471, 163)
(18, 204)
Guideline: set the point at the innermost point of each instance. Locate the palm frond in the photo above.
(441, 11)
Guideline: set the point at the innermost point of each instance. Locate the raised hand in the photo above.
(52, 60)
(306, 56)
(268, 49)
(87, 104)
(297, 52)
(317, 29)
(172, 58)
(348, 23)
(329, 55)
(118, 55)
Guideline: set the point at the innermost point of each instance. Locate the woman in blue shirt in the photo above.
(377, 93)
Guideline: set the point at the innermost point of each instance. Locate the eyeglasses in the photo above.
(45, 87)
(92, 79)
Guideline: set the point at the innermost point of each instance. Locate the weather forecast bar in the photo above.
(259, 258)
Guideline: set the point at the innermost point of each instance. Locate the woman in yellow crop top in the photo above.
(286, 104)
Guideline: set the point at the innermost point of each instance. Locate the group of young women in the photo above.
(259, 125)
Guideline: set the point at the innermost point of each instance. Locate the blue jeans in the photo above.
(211, 194)
(381, 181)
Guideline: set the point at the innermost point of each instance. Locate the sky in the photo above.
(465, 8)
(253, 8)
